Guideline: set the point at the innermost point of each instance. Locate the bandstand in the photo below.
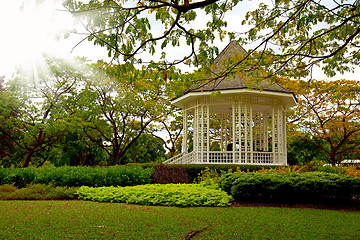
(247, 125)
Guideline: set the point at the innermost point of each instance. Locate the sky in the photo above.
(32, 27)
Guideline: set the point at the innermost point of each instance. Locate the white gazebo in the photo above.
(247, 125)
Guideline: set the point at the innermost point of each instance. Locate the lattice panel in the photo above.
(242, 140)
(275, 130)
(236, 130)
(201, 131)
(225, 131)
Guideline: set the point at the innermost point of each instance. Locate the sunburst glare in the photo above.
(31, 29)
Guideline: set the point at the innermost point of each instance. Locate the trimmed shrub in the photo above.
(20, 177)
(285, 187)
(170, 174)
(181, 195)
(77, 176)
(95, 177)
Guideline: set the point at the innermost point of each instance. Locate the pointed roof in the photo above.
(237, 81)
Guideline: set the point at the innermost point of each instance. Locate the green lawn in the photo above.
(92, 220)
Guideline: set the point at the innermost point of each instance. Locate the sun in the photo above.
(30, 29)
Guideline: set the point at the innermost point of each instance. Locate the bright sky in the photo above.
(32, 27)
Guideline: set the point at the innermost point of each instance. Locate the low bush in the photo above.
(36, 192)
(304, 187)
(20, 177)
(353, 171)
(181, 195)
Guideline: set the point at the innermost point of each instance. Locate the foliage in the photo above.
(75, 149)
(327, 116)
(84, 115)
(99, 176)
(285, 187)
(208, 175)
(40, 111)
(353, 171)
(146, 148)
(283, 169)
(9, 107)
(171, 126)
(305, 33)
(195, 169)
(19, 177)
(77, 176)
(36, 192)
(117, 105)
(126, 28)
(170, 174)
(300, 151)
(180, 195)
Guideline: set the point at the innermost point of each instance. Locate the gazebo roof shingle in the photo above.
(234, 82)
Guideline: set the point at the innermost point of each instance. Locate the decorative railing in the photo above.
(229, 157)
(182, 158)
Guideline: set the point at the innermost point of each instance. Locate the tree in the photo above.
(146, 148)
(307, 33)
(168, 130)
(290, 36)
(75, 149)
(125, 28)
(303, 152)
(117, 105)
(40, 113)
(328, 116)
(9, 107)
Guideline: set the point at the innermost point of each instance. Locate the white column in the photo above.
(251, 140)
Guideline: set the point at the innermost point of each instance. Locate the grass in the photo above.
(91, 220)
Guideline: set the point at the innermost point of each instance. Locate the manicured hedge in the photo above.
(20, 177)
(77, 176)
(298, 187)
(181, 195)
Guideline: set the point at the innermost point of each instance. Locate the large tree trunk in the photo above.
(332, 159)
(28, 159)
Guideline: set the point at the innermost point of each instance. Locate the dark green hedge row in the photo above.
(132, 174)
(295, 187)
(77, 176)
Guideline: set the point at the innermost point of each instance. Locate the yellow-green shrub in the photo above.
(181, 195)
